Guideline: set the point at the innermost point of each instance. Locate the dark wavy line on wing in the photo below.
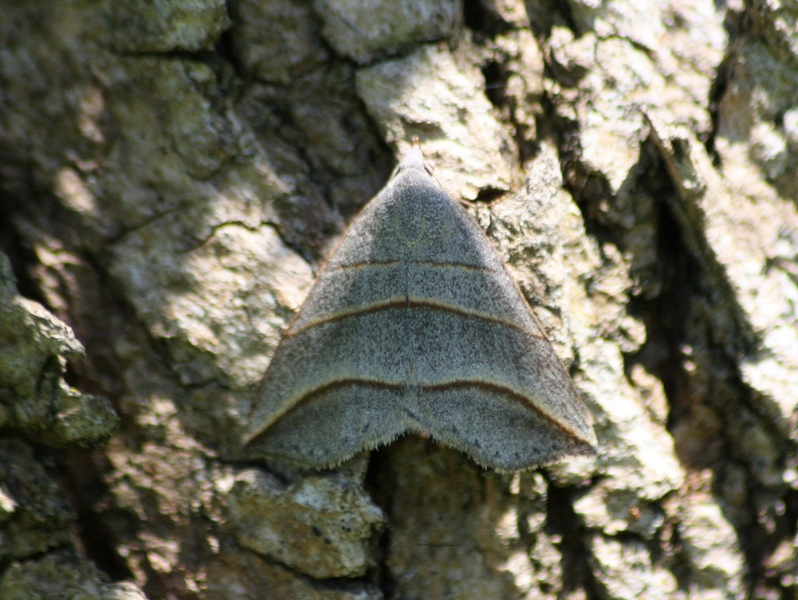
(461, 383)
(410, 303)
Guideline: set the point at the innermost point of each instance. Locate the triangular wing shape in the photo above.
(414, 325)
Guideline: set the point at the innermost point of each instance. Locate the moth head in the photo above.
(413, 160)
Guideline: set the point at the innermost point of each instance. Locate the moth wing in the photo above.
(415, 325)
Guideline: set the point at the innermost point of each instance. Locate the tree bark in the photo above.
(173, 174)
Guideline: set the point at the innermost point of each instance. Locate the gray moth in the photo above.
(415, 326)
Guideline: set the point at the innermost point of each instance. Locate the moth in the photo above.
(415, 326)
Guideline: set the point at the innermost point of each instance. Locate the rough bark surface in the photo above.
(172, 174)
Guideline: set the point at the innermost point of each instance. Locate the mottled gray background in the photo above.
(172, 174)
